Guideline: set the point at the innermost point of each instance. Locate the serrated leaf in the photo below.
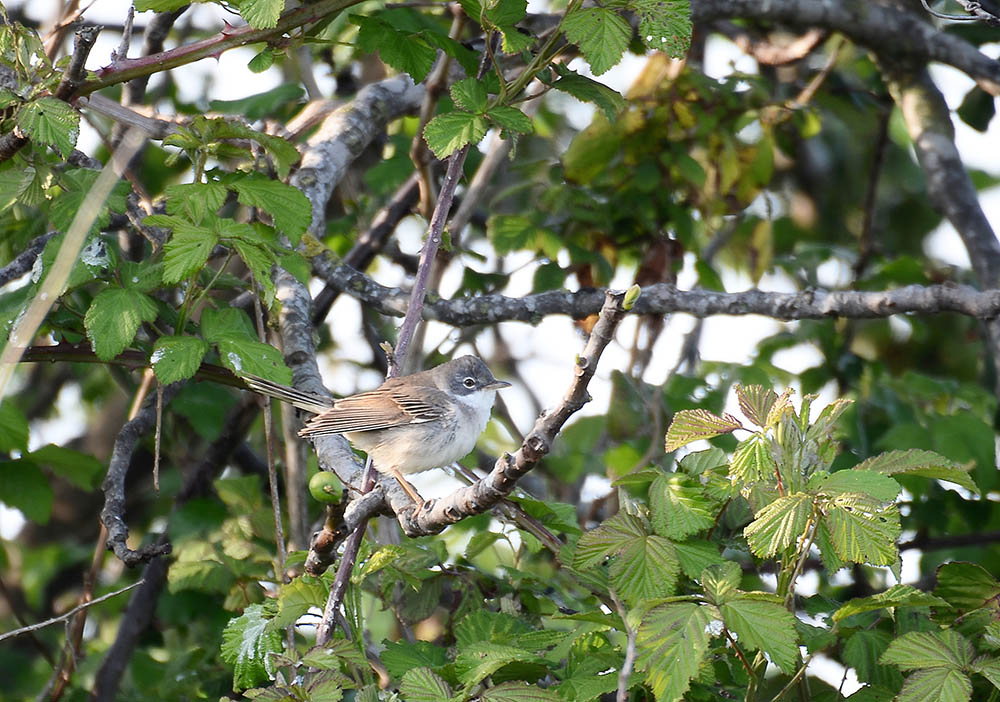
(721, 582)
(328, 656)
(672, 642)
(695, 556)
(479, 660)
(505, 13)
(644, 569)
(752, 460)
(665, 25)
(755, 402)
(259, 260)
(480, 542)
(895, 596)
(610, 537)
(691, 425)
(862, 531)
(80, 469)
(423, 685)
(827, 419)
(518, 691)
(296, 597)
(764, 626)
(401, 656)
(289, 208)
(405, 51)
(24, 487)
(261, 14)
(936, 685)
(923, 463)
(384, 556)
(828, 554)
(876, 485)
(929, 649)
(195, 201)
(245, 357)
(113, 318)
(224, 322)
(177, 358)
(777, 525)
(609, 101)
(678, 507)
(601, 35)
(469, 94)
(511, 119)
(187, 250)
(447, 133)
(989, 668)
(700, 462)
(78, 183)
(966, 586)
(50, 121)
(247, 642)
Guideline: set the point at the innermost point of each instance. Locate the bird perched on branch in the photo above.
(408, 424)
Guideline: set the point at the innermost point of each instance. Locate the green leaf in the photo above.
(113, 318)
(77, 183)
(936, 685)
(777, 525)
(195, 201)
(258, 64)
(756, 402)
(23, 486)
(700, 462)
(480, 542)
(205, 575)
(261, 14)
(672, 642)
(644, 569)
(244, 357)
(505, 13)
(479, 660)
(517, 691)
(765, 626)
(188, 249)
(926, 464)
(423, 685)
(609, 538)
(862, 531)
(159, 5)
(721, 582)
(289, 208)
(665, 25)
(862, 651)
(895, 596)
(259, 260)
(225, 322)
(13, 428)
(989, 668)
(50, 121)
(407, 52)
(752, 460)
(143, 277)
(609, 101)
(447, 133)
(470, 94)
(691, 425)
(295, 599)
(695, 556)
(384, 556)
(328, 656)
(876, 485)
(966, 586)
(511, 119)
(177, 358)
(247, 643)
(401, 656)
(678, 507)
(80, 469)
(601, 35)
(930, 649)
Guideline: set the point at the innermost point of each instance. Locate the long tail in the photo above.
(307, 401)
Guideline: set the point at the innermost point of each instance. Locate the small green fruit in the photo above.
(325, 487)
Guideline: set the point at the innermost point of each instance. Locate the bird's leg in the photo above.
(410, 490)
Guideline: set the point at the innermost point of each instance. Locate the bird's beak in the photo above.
(496, 385)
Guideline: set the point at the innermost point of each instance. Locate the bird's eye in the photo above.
(469, 382)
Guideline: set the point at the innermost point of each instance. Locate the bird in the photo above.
(408, 424)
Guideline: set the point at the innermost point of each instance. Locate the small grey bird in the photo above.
(408, 424)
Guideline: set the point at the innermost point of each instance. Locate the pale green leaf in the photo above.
(721, 582)
(989, 668)
(672, 641)
(261, 14)
(601, 35)
(187, 250)
(113, 318)
(296, 597)
(926, 464)
(177, 357)
(752, 460)
(401, 656)
(876, 485)
(645, 568)
(678, 507)
(447, 133)
(479, 660)
(470, 94)
(862, 530)
(195, 201)
(764, 626)
(665, 25)
(385, 555)
(691, 425)
(247, 642)
(259, 260)
(423, 685)
(930, 649)
(755, 402)
(226, 321)
(777, 525)
(610, 537)
(936, 685)
(204, 575)
(895, 596)
(51, 122)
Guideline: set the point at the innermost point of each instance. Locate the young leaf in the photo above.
(247, 642)
(259, 260)
(423, 685)
(923, 463)
(114, 317)
(895, 596)
(691, 425)
(290, 209)
(721, 582)
(672, 642)
(601, 35)
(195, 201)
(261, 14)
(188, 249)
(447, 133)
(678, 507)
(756, 402)
(50, 121)
(766, 626)
(862, 531)
(777, 525)
(177, 357)
(645, 569)
(470, 94)
(752, 460)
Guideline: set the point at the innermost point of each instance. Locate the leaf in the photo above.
(247, 642)
(244, 357)
(24, 487)
(672, 641)
(895, 596)
(876, 485)
(423, 685)
(601, 35)
(261, 14)
(645, 569)
(405, 51)
(480, 542)
(721, 582)
(777, 525)
(678, 507)
(989, 668)
(224, 322)
(295, 599)
(113, 318)
(691, 425)
(177, 358)
(609, 101)
(930, 649)
(479, 660)
(862, 651)
(384, 556)
(447, 133)
(752, 460)
(510, 119)
(665, 25)
(610, 537)
(765, 626)
(695, 556)
(936, 685)
(862, 531)
(13, 428)
(966, 586)
(254, 107)
(259, 260)
(50, 121)
(80, 469)
(469, 94)
(926, 464)
(756, 402)
(517, 691)
(329, 656)
(206, 575)
(195, 201)
(187, 250)
(401, 656)
(289, 208)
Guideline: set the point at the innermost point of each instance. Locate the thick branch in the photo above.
(25, 260)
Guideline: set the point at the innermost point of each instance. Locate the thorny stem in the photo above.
(739, 652)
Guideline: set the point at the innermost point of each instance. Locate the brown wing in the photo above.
(384, 408)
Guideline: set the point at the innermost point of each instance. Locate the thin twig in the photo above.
(67, 615)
